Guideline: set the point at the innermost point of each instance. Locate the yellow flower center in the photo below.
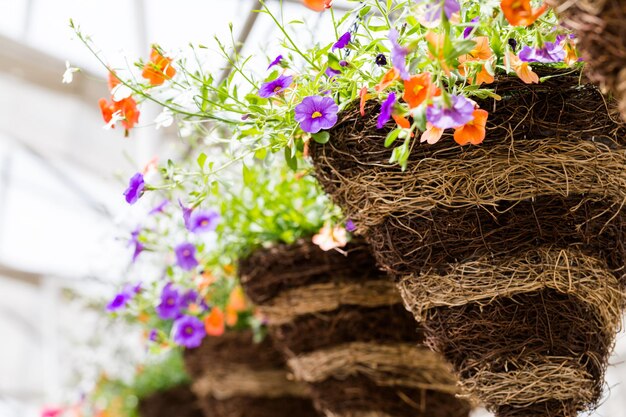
(204, 222)
(189, 330)
(417, 89)
(316, 115)
(277, 88)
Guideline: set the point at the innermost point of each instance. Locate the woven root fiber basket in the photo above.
(341, 324)
(510, 254)
(235, 377)
(178, 401)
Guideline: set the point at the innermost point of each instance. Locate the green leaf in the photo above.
(248, 176)
(391, 137)
(321, 137)
(201, 160)
(292, 161)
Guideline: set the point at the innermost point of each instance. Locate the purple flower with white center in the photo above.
(135, 188)
(550, 53)
(343, 41)
(315, 113)
(276, 61)
(385, 110)
(203, 221)
(159, 208)
(468, 30)
(435, 8)
(461, 112)
(169, 307)
(186, 256)
(121, 299)
(188, 331)
(398, 54)
(134, 240)
(271, 88)
(350, 226)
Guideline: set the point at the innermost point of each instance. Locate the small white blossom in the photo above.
(68, 75)
(116, 117)
(164, 119)
(120, 92)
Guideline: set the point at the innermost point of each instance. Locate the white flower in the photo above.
(331, 237)
(116, 117)
(120, 92)
(164, 119)
(68, 75)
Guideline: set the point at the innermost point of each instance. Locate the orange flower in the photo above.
(435, 44)
(403, 122)
(523, 70)
(158, 69)
(107, 109)
(389, 78)
(318, 5)
(113, 81)
(432, 134)
(571, 54)
(229, 269)
(472, 132)
(236, 299)
(205, 280)
(364, 97)
(520, 13)
(232, 317)
(481, 52)
(214, 322)
(419, 88)
(127, 109)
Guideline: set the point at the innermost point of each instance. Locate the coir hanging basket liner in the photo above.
(177, 401)
(601, 34)
(511, 253)
(235, 377)
(341, 324)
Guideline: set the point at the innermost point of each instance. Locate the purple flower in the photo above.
(468, 30)
(134, 240)
(169, 307)
(343, 41)
(153, 336)
(188, 331)
(159, 208)
(461, 112)
(331, 72)
(186, 213)
(385, 110)
(271, 88)
(381, 60)
(550, 53)
(203, 221)
(344, 63)
(190, 297)
(398, 54)
(122, 298)
(434, 9)
(315, 113)
(350, 226)
(135, 188)
(276, 61)
(186, 256)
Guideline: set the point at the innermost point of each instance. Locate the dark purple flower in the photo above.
(271, 88)
(381, 60)
(434, 9)
(468, 30)
(344, 63)
(276, 61)
(203, 221)
(190, 297)
(350, 226)
(331, 72)
(186, 256)
(315, 113)
(461, 112)
(169, 307)
(134, 240)
(513, 44)
(159, 208)
(550, 53)
(343, 41)
(398, 54)
(385, 110)
(188, 331)
(121, 299)
(135, 188)
(153, 336)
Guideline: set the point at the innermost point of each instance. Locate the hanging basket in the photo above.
(510, 254)
(178, 401)
(235, 377)
(601, 34)
(342, 326)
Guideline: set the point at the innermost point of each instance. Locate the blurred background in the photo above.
(63, 220)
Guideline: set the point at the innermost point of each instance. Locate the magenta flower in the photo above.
(121, 299)
(350, 226)
(135, 188)
(315, 113)
(159, 208)
(203, 221)
(343, 41)
(551, 52)
(153, 336)
(190, 297)
(169, 306)
(331, 72)
(276, 61)
(385, 110)
(186, 256)
(461, 112)
(436, 7)
(134, 240)
(468, 30)
(398, 54)
(188, 331)
(271, 88)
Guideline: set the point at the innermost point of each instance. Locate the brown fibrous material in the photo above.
(179, 401)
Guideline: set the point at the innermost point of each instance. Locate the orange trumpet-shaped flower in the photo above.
(214, 323)
(158, 69)
(481, 52)
(523, 69)
(363, 99)
(112, 80)
(419, 88)
(403, 122)
(432, 134)
(435, 44)
(318, 5)
(232, 317)
(127, 109)
(236, 300)
(472, 132)
(389, 78)
(520, 13)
